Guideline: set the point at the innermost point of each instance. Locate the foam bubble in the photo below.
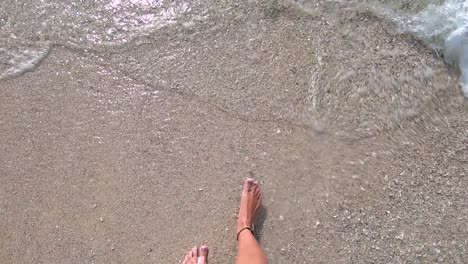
(21, 59)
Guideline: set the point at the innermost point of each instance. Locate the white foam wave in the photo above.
(21, 59)
(442, 26)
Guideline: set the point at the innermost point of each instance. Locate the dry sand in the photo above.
(134, 154)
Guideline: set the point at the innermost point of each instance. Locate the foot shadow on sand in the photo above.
(260, 221)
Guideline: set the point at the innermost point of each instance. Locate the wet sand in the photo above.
(136, 153)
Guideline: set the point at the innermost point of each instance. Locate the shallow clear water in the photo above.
(28, 30)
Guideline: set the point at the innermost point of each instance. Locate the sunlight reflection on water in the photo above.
(27, 33)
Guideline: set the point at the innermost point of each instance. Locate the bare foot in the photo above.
(196, 256)
(250, 204)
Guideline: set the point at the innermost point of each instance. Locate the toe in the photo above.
(248, 184)
(257, 192)
(203, 258)
(254, 187)
(194, 254)
(187, 258)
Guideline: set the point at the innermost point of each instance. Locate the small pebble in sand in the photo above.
(200, 190)
(101, 219)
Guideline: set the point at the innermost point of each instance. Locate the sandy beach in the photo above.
(136, 153)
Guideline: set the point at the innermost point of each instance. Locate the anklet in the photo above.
(242, 229)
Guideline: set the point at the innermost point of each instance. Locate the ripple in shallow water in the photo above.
(29, 28)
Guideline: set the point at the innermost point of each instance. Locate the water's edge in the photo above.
(441, 25)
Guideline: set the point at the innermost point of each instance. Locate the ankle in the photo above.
(244, 230)
(241, 223)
